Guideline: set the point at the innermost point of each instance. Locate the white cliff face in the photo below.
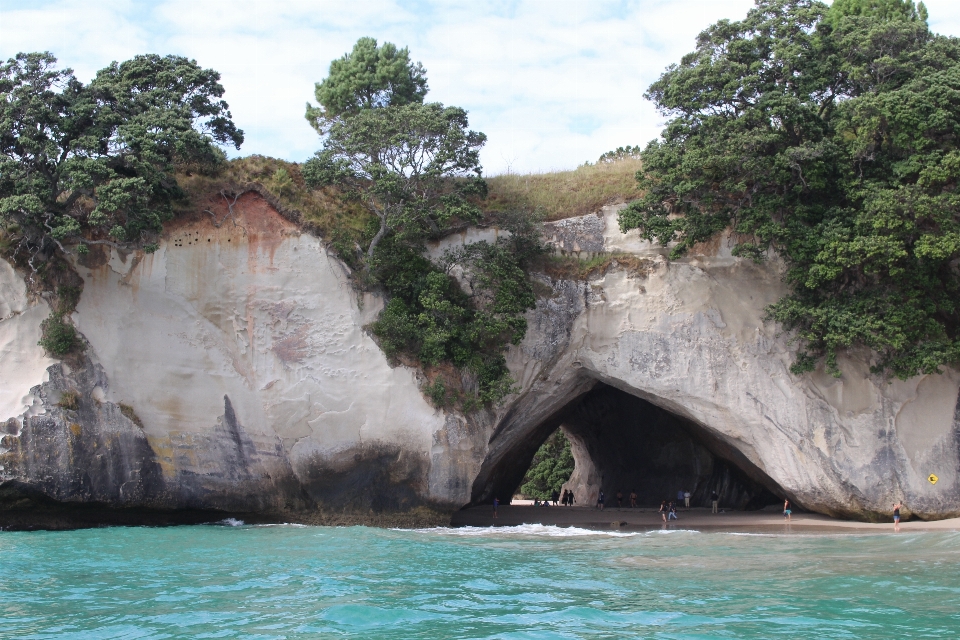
(242, 351)
(257, 316)
(690, 337)
(23, 363)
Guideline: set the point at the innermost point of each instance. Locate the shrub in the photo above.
(59, 338)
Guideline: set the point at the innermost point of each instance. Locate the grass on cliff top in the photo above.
(564, 194)
(345, 222)
(331, 214)
(571, 267)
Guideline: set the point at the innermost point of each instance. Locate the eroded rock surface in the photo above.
(231, 370)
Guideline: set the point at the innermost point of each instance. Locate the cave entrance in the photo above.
(622, 442)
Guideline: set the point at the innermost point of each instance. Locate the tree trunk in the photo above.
(376, 239)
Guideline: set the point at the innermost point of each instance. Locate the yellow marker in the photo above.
(932, 478)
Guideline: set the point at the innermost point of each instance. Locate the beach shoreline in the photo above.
(699, 519)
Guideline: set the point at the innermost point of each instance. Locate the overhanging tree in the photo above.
(95, 163)
(833, 136)
(416, 168)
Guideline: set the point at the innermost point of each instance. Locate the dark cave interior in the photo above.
(622, 442)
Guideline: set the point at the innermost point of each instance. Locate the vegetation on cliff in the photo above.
(830, 134)
(415, 167)
(551, 466)
(95, 163)
(556, 195)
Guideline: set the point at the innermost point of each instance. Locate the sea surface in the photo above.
(287, 581)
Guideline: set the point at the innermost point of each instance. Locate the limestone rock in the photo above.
(240, 350)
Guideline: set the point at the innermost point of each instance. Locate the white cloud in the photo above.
(551, 82)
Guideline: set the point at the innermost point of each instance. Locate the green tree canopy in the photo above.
(551, 466)
(91, 162)
(883, 9)
(368, 77)
(414, 165)
(836, 144)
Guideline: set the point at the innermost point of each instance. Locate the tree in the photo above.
(551, 466)
(883, 9)
(95, 163)
(835, 144)
(366, 78)
(414, 166)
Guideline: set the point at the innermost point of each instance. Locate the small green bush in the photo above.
(437, 392)
(59, 338)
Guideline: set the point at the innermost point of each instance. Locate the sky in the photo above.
(553, 83)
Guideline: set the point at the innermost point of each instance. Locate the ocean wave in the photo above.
(547, 530)
(660, 531)
(231, 522)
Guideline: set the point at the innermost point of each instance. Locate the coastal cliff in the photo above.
(230, 371)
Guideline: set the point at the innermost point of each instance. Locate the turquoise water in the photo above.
(522, 582)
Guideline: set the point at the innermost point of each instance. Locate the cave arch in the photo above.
(621, 440)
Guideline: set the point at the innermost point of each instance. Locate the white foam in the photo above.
(231, 522)
(673, 531)
(547, 530)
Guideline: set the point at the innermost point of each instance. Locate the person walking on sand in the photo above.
(570, 498)
(686, 499)
(600, 500)
(633, 498)
(714, 499)
(787, 512)
(663, 510)
(619, 499)
(556, 496)
(496, 504)
(673, 511)
(896, 515)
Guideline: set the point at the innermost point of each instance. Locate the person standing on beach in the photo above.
(787, 512)
(633, 498)
(619, 499)
(600, 500)
(555, 496)
(714, 499)
(686, 499)
(896, 515)
(496, 503)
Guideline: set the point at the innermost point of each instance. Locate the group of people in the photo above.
(668, 511)
(566, 499)
(602, 499)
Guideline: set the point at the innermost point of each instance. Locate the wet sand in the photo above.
(700, 519)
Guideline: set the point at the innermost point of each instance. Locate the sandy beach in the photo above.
(766, 521)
